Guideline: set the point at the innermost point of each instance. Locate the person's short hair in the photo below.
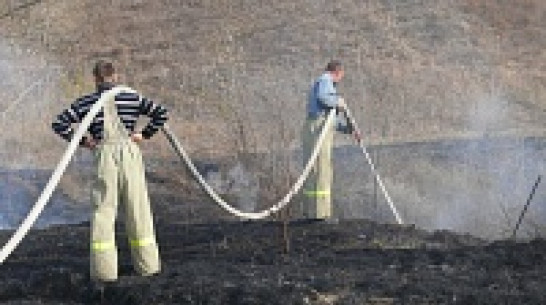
(103, 69)
(333, 66)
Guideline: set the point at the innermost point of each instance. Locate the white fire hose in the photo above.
(374, 171)
(251, 215)
(295, 188)
(46, 194)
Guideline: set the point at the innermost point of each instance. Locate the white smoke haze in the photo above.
(236, 181)
(475, 185)
(3, 222)
(490, 114)
(434, 84)
(493, 176)
(29, 96)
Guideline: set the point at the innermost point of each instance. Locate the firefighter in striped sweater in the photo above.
(119, 173)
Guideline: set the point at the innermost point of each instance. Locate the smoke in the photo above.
(3, 222)
(19, 190)
(489, 114)
(29, 95)
(476, 185)
(245, 186)
(29, 82)
(19, 68)
(239, 184)
(490, 176)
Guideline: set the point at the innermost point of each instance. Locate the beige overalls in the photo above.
(120, 178)
(317, 202)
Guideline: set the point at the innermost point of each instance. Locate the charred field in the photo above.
(273, 262)
(418, 71)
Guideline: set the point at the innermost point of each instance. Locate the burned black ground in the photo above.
(349, 262)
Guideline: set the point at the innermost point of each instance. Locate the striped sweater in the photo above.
(129, 106)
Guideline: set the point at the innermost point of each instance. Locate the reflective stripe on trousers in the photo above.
(317, 193)
(109, 245)
(102, 245)
(142, 242)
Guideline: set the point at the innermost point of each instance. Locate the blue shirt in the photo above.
(323, 96)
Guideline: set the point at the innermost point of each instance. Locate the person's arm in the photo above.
(72, 115)
(326, 93)
(63, 122)
(158, 116)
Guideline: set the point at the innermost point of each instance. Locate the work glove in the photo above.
(343, 124)
(341, 106)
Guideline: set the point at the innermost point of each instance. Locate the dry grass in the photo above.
(235, 74)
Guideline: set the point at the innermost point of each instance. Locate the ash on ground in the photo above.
(273, 262)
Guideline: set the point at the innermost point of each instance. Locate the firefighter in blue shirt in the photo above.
(317, 203)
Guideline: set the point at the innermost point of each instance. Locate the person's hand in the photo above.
(341, 106)
(137, 137)
(89, 143)
(357, 136)
(341, 103)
